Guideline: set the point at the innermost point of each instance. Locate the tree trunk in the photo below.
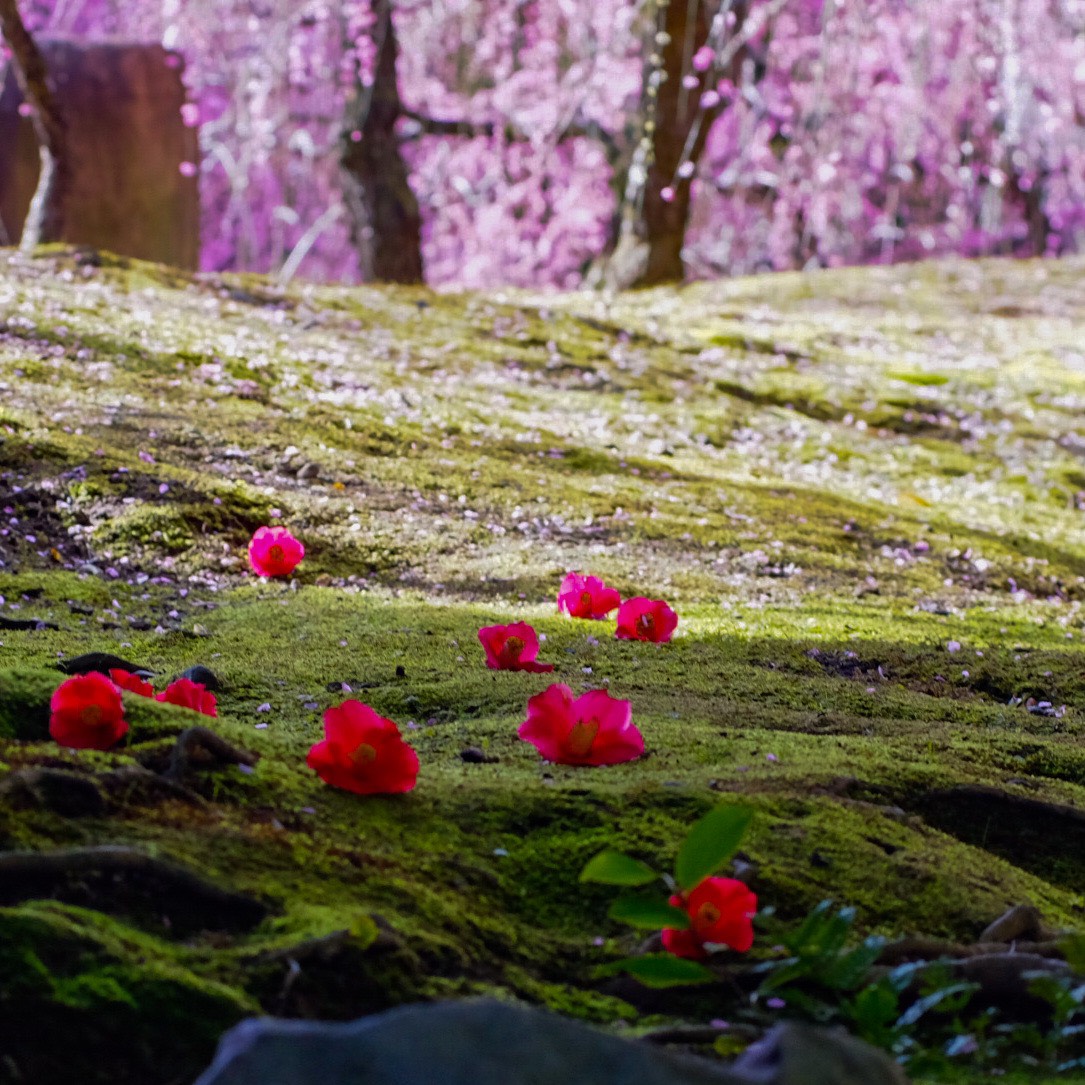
(386, 224)
(650, 227)
(45, 218)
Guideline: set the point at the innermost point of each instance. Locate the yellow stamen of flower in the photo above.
(646, 623)
(707, 914)
(513, 647)
(364, 755)
(581, 737)
(91, 715)
(276, 553)
(585, 600)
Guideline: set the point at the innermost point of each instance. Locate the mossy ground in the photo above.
(861, 490)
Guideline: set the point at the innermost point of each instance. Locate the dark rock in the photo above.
(35, 625)
(103, 663)
(495, 1043)
(1021, 922)
(475, 755)
(204, 675)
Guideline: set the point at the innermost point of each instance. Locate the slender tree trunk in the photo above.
(386, 224)
(650, 227)
(45, 219)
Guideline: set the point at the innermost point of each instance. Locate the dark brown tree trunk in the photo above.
(45, 219)
(650, 227)
(385, 222)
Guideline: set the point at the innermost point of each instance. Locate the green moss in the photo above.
(783, 459)
(24, 702)
(117, 998)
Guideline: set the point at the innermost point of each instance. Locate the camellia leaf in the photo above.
(710, 843)
(648, 912)
(614, 868)
(659, 970)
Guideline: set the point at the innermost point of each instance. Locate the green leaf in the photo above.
(659, 970)
(710, 843)
(951, 999)
(850, 969)
(648, 912)
(1073, 949)
(614, 868)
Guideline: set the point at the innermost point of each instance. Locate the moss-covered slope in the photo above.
(861, 490)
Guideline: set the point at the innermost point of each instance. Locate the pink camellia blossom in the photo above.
(86, 713)
(363, 752)
(131, 682)
(721, 912)
(188, 694)
(645, 619)
(512, 648)
(586, 597)
(273, 551)
(666, 194)
(592, 729)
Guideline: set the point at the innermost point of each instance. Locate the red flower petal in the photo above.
(189, 694)
(363, 752)
(273, 551)
(594, 729)
(640, 618)
(682, 943)
(721, 911)
(586, 597)
(86, 713)
(348, 724)
(131, 682)
(512, 648)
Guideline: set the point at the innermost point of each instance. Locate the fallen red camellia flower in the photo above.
(86, 713)
(592, 729)
(721, 912)
(645, 619)
(586, 597)
(363, 752)
(189, 694)
(131, 682)
(273, 551)
(512, 648)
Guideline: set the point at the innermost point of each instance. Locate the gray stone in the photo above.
(495, 1043)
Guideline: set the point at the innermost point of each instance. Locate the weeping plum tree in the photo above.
(386, 225)
(45, 219)
(678, 104)
(808, 132)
